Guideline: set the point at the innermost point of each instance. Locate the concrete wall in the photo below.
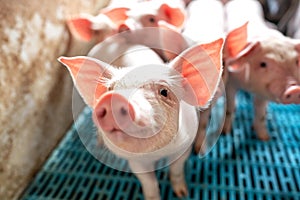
(35, 90)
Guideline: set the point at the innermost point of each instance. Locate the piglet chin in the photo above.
(117, 135)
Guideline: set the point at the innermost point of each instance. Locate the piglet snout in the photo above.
(114, 113)
(292, 95)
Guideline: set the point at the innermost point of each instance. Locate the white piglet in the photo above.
(261, 61)
(147, 111)
(205, 22)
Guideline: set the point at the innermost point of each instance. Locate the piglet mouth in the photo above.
(141, 133)
(117, 131)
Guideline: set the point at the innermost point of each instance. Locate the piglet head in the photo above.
(266, 66)
(87, 27)
(155, 14)
(138, 108)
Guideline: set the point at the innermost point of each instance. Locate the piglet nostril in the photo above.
(288, 96)
(101, 113)
(124, 112)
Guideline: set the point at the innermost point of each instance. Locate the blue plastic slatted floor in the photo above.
(239, 166)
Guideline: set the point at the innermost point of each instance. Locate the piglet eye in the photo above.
(263, 65)
(152, 19)
(164, 92)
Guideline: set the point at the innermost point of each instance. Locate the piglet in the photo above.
(205, 22)
(293, 25)
(265, 64)
(122, 16)
(156, 13)
(162, 21)
(95, 29)
(146, 112)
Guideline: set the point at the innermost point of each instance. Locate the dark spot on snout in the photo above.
(288, 96)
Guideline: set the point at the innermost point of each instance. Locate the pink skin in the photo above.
(128, 102)
(268, 67)
(114, 119)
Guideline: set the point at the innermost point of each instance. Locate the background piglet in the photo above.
(156, 13)
(147, 111)
(261, 61)
(94, 29)
(238, 12)
(164, 20)
(293, 26)
(205, 22)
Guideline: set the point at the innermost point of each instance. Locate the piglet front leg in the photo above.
(177, 176)
(230, 107)
(200, 141)
(260, 118)
(146, 175)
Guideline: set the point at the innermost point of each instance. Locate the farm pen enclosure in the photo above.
(239, 166)
(41, 159)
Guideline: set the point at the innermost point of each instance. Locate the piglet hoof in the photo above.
(152, 197)
(200, 148)
(179, 185)
(262, 133)
(264, 136)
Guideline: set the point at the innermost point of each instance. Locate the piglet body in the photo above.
(144, 109)
(293, 25)
(205, 22)
(263, 63)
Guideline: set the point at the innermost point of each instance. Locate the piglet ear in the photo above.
(201, 68)
(174, 16)
(88, 75)
(81, 27)
(237, 45)
(236, 41)
(116, 15)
